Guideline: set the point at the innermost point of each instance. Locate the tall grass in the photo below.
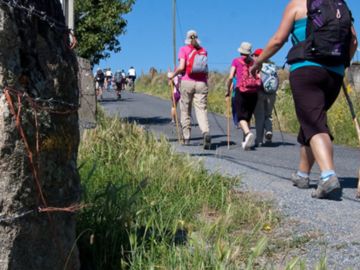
(148, 207)
(340, 121)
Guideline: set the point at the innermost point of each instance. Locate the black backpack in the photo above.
(328, 34)
(100, 77)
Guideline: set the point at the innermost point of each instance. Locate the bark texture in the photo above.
(36, 61)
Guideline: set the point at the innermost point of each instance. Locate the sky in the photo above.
(221, 26)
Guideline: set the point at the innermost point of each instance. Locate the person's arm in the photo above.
(230, 81)
(279, 38)
(179, 70)
(353, 43)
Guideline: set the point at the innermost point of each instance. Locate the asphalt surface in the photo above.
(333, 225)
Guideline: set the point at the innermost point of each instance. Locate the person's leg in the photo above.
(187, 91)
(307, 160)
(301, 178)
(200, 105)
(233, 111)
(314, 91)
(259, 114)
(246, 103)
(244, 125)
(322, 149)
(269, 106)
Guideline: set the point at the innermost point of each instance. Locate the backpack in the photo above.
(328, 34)
(247, 82)
(269, 78)
(118, 77)
(197, 63)
(176, 90)
(100, 76)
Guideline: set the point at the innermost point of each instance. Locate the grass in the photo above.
(148, 207)
(339, 117)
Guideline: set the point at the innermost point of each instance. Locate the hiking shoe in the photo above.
(299, 181)
(268, 136)
(186, 142)
(247, 143)
(207, 141)
(258, 144)
(326, 188)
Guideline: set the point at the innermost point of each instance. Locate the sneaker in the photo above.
(268, 136)
(326, 188)
(207, 141)
(247, 143)
(299, 181)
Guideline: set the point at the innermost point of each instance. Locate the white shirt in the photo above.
(132, 72)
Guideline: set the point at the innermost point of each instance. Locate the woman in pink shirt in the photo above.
(246, 90)
(194, 86)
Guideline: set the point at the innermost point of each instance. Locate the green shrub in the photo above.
(147, 206)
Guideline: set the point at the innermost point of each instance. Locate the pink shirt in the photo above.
(184, 54)
(239, 74)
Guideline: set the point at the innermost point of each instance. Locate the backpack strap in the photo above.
(294, 39)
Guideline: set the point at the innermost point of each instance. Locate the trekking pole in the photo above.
(228, 120)
(175, 110)
(278, 121)
(356, 123)
(352, 111)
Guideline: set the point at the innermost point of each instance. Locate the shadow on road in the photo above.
(149, 120)
(348, 182)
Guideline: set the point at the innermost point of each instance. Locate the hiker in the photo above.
(99, 83)
(132, 77)
(123, 81)
(233, 103)
(175, 97)
(194, 87)
(117, 80)
(108, 78)
(315, 80)
(265, 103)
(246, 90)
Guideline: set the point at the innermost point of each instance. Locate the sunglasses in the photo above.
(193, 37)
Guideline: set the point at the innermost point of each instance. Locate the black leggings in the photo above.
(314, 90)
(245, 104)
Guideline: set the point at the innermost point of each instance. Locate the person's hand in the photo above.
(227, 93)
(255, 68)
(170, 75)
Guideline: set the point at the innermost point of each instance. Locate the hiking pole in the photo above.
(228, 120)
(171, 85)
(352, 111)
(278, 121)
(357, 127)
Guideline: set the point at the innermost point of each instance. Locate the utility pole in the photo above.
(174, 32)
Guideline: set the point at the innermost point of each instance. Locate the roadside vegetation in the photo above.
(148, 207)
(340, 120)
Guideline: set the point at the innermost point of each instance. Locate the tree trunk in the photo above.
(38, 145)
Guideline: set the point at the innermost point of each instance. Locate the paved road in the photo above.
(266, 170)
